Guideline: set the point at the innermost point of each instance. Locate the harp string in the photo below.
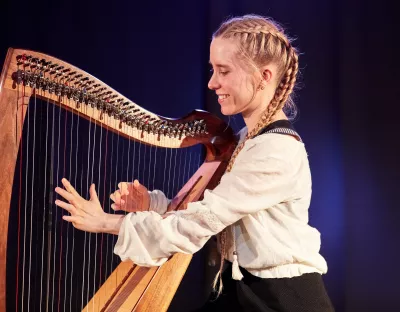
(115, 184)
(19, 195)
(86, 234)
(98, 188)
(32, 210)
(25, 215)
(79, 169)
(75, 183)
(125, 170)
(55, 182)
(133, 164)
(67, 225)
(134, 160)
(170, 168)
(103, 202)
(62, 211)
(91, 235)
(179, 169)
(145, 163)
(176, 172)
(39, 209)
(139, 167)
(64, 147)
(44, 206)
(154, 167)
(149, 168)
(50, 213)
(108, 192)
(174, 153)
(128, 160)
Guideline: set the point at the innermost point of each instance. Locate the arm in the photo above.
(255, 183)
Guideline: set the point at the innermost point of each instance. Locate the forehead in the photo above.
(222, 52)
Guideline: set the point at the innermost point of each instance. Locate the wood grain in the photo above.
(129, 287)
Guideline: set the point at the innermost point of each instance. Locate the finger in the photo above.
(115, 207)
(93, 193)
(139, 187)
(65, 194)
(123, 187)
(70, 208)
(116, 197)
(124, 192)
(69, 187)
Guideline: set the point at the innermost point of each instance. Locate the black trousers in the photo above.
(305, 293)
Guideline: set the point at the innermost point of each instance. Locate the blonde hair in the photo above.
(261, 41)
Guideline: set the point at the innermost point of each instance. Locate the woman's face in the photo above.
(233, 84)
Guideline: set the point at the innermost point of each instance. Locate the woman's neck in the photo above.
(252, 119)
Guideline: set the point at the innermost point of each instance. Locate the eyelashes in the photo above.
(221, 72)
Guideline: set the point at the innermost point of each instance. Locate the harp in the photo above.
(57, 120)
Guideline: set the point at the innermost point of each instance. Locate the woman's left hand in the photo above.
(86, 215)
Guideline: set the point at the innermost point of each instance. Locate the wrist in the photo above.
(111, 223)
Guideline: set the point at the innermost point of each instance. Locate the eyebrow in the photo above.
(218, 65)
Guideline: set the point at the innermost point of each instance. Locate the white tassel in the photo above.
(236, 274)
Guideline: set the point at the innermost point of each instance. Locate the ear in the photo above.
(266, 74)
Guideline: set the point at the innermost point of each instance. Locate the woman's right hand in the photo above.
(131, 197)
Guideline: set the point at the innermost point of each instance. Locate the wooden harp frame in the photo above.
(129, 287)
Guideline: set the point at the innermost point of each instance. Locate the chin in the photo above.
(226, 111)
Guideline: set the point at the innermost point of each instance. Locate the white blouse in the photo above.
(265, 197)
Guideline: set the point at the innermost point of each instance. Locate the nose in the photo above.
(213, 83)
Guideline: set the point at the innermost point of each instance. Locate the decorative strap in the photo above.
(282, 127)
(286, 131)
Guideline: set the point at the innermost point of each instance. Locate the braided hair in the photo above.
(261, 41)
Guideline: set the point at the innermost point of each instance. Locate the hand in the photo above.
(86, 215)
(131, 197)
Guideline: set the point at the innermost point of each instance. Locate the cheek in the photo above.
(243, 93)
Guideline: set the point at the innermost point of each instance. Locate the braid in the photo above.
(282, 93)
(261, 41)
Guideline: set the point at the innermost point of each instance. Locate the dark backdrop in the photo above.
(156, 54)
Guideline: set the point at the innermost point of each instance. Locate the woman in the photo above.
(260, 207)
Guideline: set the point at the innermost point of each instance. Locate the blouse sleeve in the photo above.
(256, 182)
(158, 202)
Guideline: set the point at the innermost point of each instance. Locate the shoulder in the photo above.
(274, 145)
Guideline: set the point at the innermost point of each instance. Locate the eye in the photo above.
(223, 73)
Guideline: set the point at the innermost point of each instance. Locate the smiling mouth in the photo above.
(223, 96)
